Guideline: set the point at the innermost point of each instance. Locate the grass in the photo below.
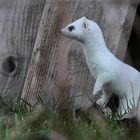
(28, 123)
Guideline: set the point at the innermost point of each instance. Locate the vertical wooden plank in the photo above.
(19, 22)
(126, 29)
(58, 66)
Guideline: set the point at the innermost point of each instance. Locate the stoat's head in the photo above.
(81, 29)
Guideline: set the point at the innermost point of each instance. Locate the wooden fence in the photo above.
(37, 61)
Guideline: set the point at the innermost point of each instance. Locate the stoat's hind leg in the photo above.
(125, 105)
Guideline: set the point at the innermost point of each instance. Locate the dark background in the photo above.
(133, 52)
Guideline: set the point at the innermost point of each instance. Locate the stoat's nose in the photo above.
(62, 30)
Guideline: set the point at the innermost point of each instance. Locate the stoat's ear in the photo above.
(85, 23)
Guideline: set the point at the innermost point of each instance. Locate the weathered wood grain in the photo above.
(58, 67)
(19, 22)
(127, 27)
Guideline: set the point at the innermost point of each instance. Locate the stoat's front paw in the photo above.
(101, 102)
(107, 111)
(95, 98)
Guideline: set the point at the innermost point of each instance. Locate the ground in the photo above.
(38, 123)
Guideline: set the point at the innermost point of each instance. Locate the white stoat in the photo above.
(123, 79)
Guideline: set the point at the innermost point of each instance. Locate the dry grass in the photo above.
(27, 123)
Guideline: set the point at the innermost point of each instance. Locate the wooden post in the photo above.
(58, 66)
(19, 22)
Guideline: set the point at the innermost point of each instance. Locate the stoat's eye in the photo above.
(71, 28)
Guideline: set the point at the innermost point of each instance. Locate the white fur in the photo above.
(123, 79)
